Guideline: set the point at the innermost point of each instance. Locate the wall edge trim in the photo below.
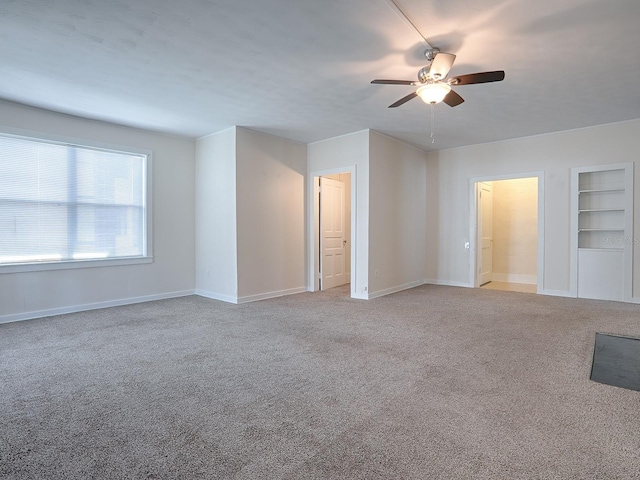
(398, 288)
(446, 283)
(216, 296)
(557, 293)
(92, 306)
(274, 294)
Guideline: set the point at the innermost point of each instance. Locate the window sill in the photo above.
(66, 265)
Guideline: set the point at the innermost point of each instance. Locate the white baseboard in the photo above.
(557, 293)
(216, 296)
(515, 278)
(265, 296)
(250, 298)
(389, 291)
(360, 296)
(92, 306)
(567, 294)
(447, 283)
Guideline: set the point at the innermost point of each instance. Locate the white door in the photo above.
(332, 234)
(485, 223)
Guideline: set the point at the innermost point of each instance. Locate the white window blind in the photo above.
(65, 203)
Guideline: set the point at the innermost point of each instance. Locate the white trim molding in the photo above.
(389, 291)
(447, 283)
(216, 296)
(249, 298)
(92, 306)
(267, 295)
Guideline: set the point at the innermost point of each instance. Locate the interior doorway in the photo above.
(507, 233)
(332, 247)
(333, 230)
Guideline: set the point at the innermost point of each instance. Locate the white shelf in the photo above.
(603, 190)
(591, 249)
(600, 208)
(595, 210)
(601, 219)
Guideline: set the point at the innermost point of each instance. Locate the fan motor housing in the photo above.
(423, 75)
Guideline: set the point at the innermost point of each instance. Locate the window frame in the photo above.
(146, 258)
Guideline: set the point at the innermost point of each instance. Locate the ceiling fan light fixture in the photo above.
(433, 92)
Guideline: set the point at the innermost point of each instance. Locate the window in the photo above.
(69, 205)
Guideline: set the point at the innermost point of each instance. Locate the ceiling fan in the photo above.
(435, 87)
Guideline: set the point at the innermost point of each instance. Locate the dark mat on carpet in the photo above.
(616, 361)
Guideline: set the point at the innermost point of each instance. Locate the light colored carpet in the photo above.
(430, 383)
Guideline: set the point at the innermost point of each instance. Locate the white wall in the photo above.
(270, 215)
(397, 207)
(449, 172)
(336, 155)
(32, 294)
(216, 256)
(390, 208)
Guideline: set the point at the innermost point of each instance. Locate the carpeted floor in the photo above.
(429, 383)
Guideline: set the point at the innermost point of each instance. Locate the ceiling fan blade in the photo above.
(441, 65)
(394, 82)
(481, 77)
(403, 100)
(453, 99)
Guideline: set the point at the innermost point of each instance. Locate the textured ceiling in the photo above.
(301, 69)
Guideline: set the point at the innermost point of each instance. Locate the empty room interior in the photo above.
(304, 239)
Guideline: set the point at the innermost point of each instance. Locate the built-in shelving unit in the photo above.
(602, 223)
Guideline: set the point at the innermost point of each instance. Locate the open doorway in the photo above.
(332, 233)
(507, 234)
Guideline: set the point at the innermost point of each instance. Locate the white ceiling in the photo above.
(301, 69)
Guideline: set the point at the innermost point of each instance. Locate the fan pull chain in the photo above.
(433, 115)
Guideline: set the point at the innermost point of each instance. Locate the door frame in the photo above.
(479, 236)
(313, 222)
(473, 224)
